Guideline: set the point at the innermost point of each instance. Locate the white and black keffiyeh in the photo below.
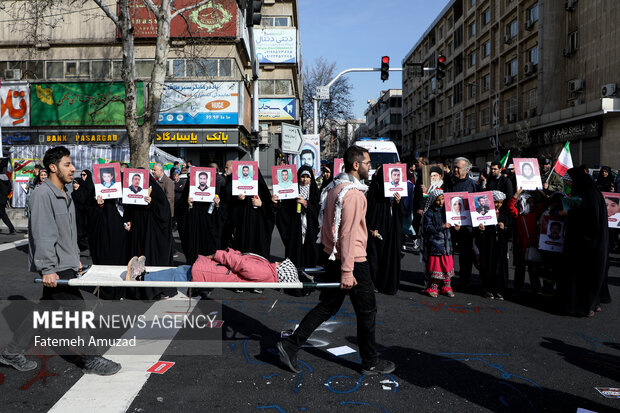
(432, 196)
(498, 196)
(304, 192)
(287, 272)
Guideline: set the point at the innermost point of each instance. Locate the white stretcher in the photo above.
(114, 276)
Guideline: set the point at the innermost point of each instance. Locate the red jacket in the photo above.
(232, 266)
(521, 241)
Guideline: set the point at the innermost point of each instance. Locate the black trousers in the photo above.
(363, 300)
(5, 217)
(465, 240)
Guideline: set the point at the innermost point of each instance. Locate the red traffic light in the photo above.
(441, 59)
(385, 59)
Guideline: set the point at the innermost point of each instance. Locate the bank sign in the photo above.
(200, 103)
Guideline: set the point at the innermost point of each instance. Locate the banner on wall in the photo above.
(81, 104)
(200, 103)
(14, 104)
(276, 45)
(276, 109)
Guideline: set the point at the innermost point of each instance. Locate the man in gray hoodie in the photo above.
(55, 255)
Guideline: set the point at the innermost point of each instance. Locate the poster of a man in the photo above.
(134, 182)
(612, 202)
(551, 233)
(310, 154)
(457, 212)
(284, 178)
(107, 182)
(202, 184)
(245, 178)
(482, 208)
(527, 174)
(392, 179)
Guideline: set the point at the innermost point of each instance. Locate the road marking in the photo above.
(11, 245)
(95, 391)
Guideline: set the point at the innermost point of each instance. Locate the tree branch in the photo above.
(153, 8)
(183, 10)
(107, 11)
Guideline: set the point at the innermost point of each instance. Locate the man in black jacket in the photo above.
(499, 182)
(5, 190)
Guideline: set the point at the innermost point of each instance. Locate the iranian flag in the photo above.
(565, 162)
(504, 160)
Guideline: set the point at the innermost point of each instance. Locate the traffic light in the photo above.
(440, 68)
(385, 68)
(252, 13)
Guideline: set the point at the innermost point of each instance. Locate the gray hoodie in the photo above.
(52, 230)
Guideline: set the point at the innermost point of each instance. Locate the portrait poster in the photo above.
(245, 178)
(202, 184)
(426, 175)
(310, 154)
(482, 208)
(284, 178)
(551, 233)
(107, 177)
(338, 167)
(135, 186)
(394, 179)
(457, 208)
(612, 202)
(527, 174)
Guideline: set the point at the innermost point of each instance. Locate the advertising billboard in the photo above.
(200, 103)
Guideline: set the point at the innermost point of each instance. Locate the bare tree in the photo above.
(340, 102)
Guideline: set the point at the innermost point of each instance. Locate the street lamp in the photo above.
(495, 111)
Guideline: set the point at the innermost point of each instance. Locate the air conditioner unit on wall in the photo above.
(568, 52)
(575, 85)
(570, 5)
(12, 74)
(608, 90)
(530, 68)
(264, 137)
(507, 80)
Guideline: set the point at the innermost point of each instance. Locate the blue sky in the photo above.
(356, 33)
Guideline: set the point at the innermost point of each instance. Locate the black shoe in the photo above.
(499, 297)
(19, 361)
(257, 291)
(290, 359)
(12, 232)
(489, 295)
(379, 367)
(101, 366)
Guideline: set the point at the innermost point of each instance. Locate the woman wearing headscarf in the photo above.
(84, 197)
(150, 234)
(298, 221)
(605, 179)
(584, 277)
(384, 218)
(251, 219)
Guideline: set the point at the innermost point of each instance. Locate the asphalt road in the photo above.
(465, 354)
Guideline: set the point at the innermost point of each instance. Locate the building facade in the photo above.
(533, 73)
(384, 116)
(67, 78)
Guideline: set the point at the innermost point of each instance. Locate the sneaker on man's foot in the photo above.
(379, 367)
(499, 296)
(288, 358)
(257, 291)
(19, 361)
(101, 366)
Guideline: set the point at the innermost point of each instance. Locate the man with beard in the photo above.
(203, 181)
(344, 235)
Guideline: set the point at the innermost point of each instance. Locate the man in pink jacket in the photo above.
(344, 236)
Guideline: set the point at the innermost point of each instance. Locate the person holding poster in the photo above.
(492, 242)
(437, 247)
(527, 173)
(393, 180)
(106, 180)
(297, 221)
(456, 211)
(245, 178)
(583, 284)
(285, 181)
(481, 208)
(134, 192)
(384, 218)
(612, 202)
(202, 184)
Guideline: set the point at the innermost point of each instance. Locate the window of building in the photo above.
(71, 69)
(54, 70)
(471, 29)
(486, 48)
(275, 21)
(144, 68)
(100, 69)
(458, 36)
(485, 17)
(458, 92)
(471, 122)
(532, 55)
(531, 99)
(472, 90)
(511, 29)
(472, 3)
(512, 69)
(532, 13)
(440, 32)
(178, 68)
(510, 106)
(486, 82)
(472, 59)
(450, 22)
(279, 87)
(573, 40)
(485, 116)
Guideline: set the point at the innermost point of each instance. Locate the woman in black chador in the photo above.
(84, 197)
(582, 285)
(384, 218)
(298, 221)
(251, 219)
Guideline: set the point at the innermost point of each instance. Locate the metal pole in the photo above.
(315, 121)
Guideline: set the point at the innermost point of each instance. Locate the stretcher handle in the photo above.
(305, 285)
